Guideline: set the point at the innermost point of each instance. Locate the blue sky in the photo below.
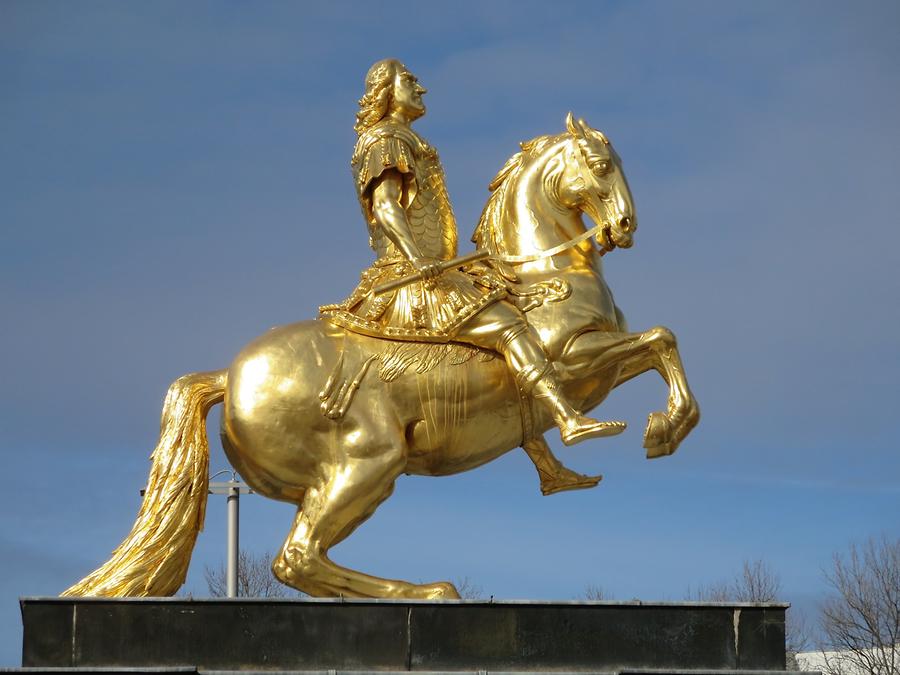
(174, 179)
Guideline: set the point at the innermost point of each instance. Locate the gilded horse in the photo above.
(328, 420)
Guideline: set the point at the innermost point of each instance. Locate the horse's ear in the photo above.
(587, 129)
(574, 128)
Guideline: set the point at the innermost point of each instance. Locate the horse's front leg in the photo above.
(636, 353)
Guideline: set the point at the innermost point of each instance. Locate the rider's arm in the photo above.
(387, 191)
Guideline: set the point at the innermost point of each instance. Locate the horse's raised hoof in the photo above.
(658, 436)
(566, 479)
(664, 450)
(582, 428)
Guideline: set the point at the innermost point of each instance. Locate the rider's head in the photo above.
(390, 88)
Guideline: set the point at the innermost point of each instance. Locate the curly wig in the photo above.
(376, 102)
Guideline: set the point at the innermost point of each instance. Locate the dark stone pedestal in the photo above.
(384, 635)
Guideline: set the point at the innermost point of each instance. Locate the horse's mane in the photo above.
(488, 233)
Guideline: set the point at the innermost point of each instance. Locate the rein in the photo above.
(571, 243)
(482, 254)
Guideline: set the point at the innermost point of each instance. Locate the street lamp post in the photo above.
(232, 489)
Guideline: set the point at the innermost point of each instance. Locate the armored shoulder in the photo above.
(387, 145)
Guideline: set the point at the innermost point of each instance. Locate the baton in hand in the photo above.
(445, 265)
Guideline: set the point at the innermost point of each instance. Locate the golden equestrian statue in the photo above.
(435, 364)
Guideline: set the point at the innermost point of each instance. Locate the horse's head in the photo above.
(574, 172)
(594, 183)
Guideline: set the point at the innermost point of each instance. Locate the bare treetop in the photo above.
(255, 578)
(861, 622)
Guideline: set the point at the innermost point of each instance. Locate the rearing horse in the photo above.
(329, 420)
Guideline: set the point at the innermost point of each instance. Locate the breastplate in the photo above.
(431, 220)
(430, 214)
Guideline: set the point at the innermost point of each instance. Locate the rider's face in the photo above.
(408, 95)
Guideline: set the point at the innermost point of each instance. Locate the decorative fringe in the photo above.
(424, 356)
(153, 560)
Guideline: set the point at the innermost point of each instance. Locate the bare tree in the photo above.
(719, 591)
(861, 622)
(255, 578)
(595, 592)
(468, 589)
(796, 637)
(758, 582)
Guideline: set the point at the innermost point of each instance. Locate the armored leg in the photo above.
(503, 328)
(553, 475)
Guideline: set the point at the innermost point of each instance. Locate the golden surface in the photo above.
(433, 365)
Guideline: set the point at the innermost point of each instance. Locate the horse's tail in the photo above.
(153, 560)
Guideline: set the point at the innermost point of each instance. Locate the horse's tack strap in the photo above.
(550, 251)
(481, 254)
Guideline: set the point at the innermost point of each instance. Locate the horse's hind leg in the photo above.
(329, 512)
(636, 353)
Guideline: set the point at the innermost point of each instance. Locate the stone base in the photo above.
(386, 635)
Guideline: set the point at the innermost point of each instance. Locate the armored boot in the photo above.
(574, 427)
(553, 475)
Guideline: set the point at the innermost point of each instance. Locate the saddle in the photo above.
(394, 358)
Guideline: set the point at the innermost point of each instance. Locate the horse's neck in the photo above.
(533, 223)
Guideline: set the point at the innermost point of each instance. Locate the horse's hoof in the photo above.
(658, 435)
(442, 590)
(659, 429)
(583, 428)
(662, 450)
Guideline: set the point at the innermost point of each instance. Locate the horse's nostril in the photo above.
(625, 224)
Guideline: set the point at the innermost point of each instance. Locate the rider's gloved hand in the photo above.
(429, 268)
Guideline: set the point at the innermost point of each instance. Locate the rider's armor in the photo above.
(431, 310)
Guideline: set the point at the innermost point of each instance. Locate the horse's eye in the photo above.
(599, 168)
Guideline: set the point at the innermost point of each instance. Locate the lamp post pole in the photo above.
(233, 543)
(232, 489)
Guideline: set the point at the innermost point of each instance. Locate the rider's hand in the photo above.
(429, 268)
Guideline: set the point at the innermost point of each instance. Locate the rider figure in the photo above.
(400, 183)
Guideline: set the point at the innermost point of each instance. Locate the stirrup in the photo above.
(582, 428)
